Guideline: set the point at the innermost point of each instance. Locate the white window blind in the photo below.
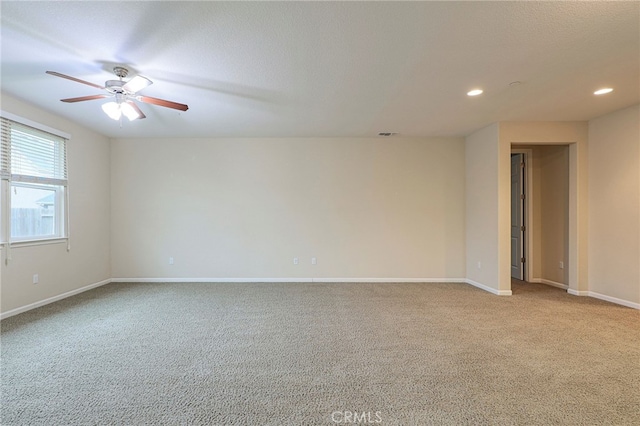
(32, 155)
(5, 143)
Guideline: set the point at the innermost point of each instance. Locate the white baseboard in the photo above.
(211, 280)
(308, 280)
(551, 283)
(388, 280)
(577, 292)
(314, 280)
(487, 288)
(615, 300)
(34, 305)
(288, 280)
(605, 298)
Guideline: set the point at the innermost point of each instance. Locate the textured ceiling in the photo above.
(326, 69)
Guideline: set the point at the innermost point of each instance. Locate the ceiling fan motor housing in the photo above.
(120, 71)
(114, 86)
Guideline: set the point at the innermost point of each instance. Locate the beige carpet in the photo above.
(301, 353)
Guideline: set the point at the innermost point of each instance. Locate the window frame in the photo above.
(59, 212)
(60, 186)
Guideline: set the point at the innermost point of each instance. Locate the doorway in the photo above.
(540, 214)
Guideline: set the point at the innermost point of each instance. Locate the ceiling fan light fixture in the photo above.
(129, 111)
(112, 109)
(116, 110)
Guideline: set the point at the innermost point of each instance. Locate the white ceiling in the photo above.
(326, 69)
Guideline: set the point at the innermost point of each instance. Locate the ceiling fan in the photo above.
(124, 92)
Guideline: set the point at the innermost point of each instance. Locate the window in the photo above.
(34, 179)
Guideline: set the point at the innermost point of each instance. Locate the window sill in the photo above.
(29, 243)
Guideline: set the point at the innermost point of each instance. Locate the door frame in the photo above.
(574, 134)
(528, 210)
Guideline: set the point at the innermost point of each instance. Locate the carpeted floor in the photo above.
(313, 354)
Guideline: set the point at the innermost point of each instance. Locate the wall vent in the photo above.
(387, 134)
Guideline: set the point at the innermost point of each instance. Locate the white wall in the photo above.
(88, 261)
(553, 163)
(244, 208)
(481, 153)
(366, 208)
(614, 205)
(488, 194)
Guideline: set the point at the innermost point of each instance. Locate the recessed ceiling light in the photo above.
(475, 92)
(603, 91)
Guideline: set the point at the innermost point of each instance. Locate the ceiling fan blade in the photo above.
(57, 74)
(138, 110)
(137, 83)
(162, 102)
(85, 98)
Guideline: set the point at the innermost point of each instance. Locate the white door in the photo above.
(517, 216)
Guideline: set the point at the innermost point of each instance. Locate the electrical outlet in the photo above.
(561, 265)
(314, 261)
(479, 265)
(36, 278)
(295, 260)
(171, 261)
